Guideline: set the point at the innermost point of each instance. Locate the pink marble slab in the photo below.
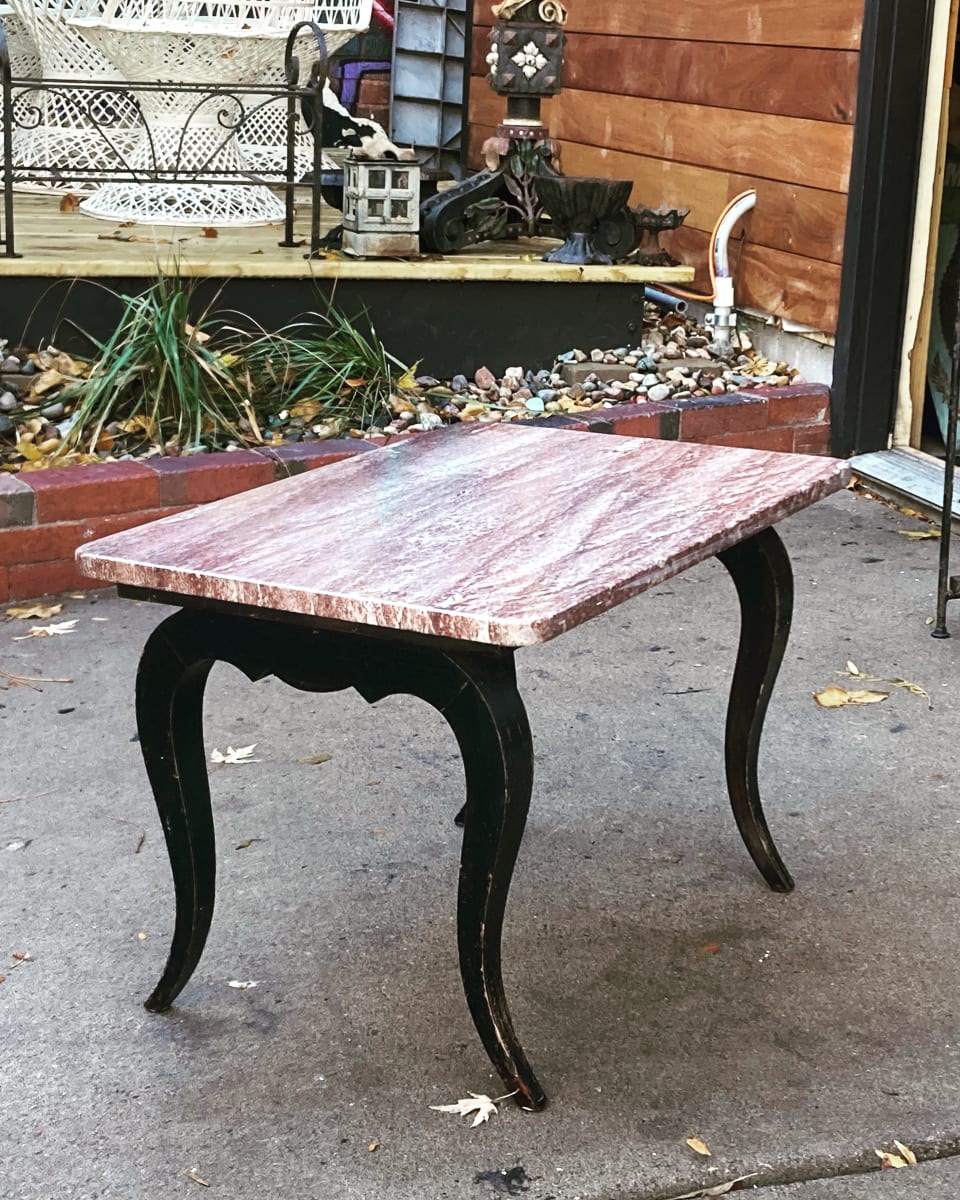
(501, 534)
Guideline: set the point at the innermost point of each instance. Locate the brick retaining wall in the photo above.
(45, 515)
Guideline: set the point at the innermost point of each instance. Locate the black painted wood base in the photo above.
(475, 690)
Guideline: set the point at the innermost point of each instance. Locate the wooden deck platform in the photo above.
(497, 304)
(56, 244)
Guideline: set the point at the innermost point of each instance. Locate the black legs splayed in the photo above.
(476, 692)
(760, 569)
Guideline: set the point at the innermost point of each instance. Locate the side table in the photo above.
(361, 577)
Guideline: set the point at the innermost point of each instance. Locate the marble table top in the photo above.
(500, 534)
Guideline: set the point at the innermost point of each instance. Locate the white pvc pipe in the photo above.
(735, 211)
(724, 307)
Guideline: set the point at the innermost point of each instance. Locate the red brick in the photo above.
(812, 439)
(199, 478)
(805, 409)
(18, 504)
(298, 457)
(4, 585)
(374, 93)
(42, 579)
(759, 439)
(735, 414)
(39, 543)
(637, 420)
(639, 425)
(68, 493)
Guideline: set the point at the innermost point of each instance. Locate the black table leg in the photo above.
(475, 691)
(170, 684)
(761, 572)
(490, 723)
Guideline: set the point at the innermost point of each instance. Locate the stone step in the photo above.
(605, 372)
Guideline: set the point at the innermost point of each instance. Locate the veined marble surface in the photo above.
(499, 534)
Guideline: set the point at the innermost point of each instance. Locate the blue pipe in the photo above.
(674, 303)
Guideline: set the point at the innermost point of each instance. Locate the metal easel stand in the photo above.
(949, 588)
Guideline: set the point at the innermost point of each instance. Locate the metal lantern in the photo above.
(381, 207)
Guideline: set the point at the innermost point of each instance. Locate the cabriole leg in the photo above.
(760, 569)
(491, 727)
(170, 685)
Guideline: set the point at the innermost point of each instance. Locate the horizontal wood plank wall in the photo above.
(695, 109)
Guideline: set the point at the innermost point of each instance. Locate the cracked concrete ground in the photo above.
(659, 989)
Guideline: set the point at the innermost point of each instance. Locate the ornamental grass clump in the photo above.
(157, 375)
(168, 381)
(323, 371)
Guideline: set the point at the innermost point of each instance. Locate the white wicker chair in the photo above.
(24, 55)
(64, 135)
(224, 42)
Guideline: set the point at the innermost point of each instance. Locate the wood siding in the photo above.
(695, 104)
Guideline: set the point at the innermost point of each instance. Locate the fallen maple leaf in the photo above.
(52, 630)
(838, 697)
(483, 1106)
(41, 612)
(699, 1146)
(235, 757)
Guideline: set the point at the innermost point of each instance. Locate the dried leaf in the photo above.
(699, 1146)
(483, 1106)
(242, 984)
(374, 1145)
(197, 334)
(52, 630)
(316, 758)
(28, 450)
(913, 688)
(920, 535)
(140, 424)
(42, 612)
(69, 203)
(8, 681)
(838, 697)
(906, 1152)
(890, 1162)
(208, 231)
(719, 1189)
(711, 948)
(191, 1173)
(235, 757)
(119, 236)
(141, 936)
(408, 380)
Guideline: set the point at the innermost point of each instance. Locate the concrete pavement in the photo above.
(660, 991)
